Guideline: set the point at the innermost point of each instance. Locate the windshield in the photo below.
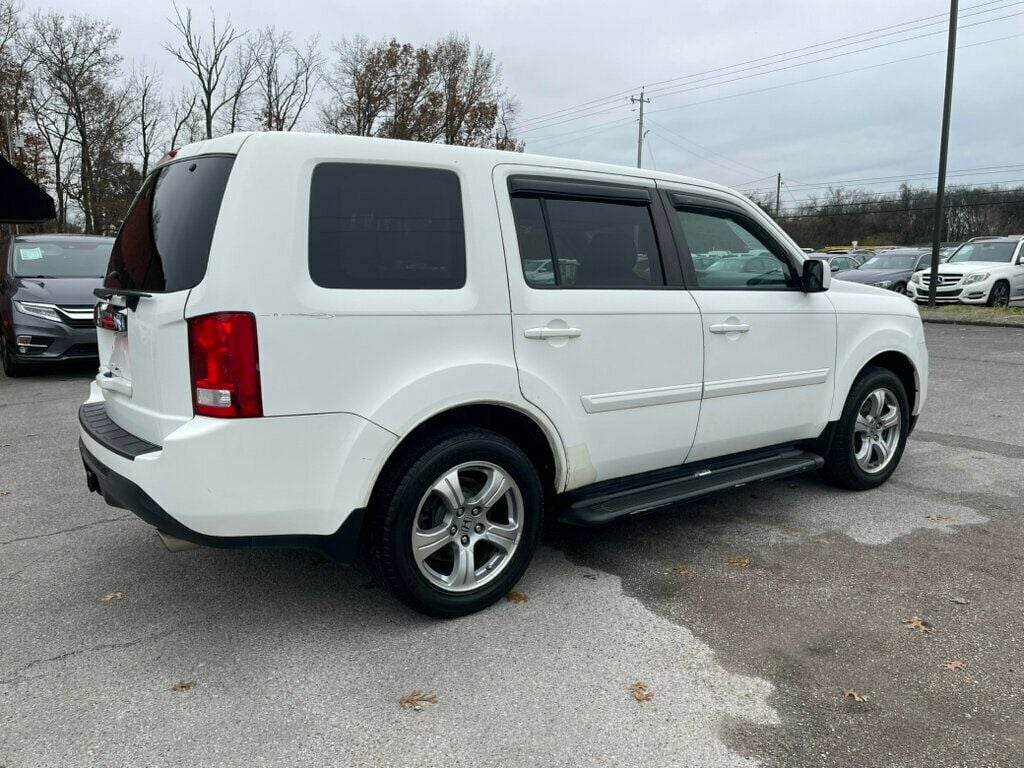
(78, 258)
(891, 261)
(984, 252)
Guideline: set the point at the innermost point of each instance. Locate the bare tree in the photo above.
(185, 119)
(56, 127)
(450, 91)
(75, 60)
(359, 86)
(211, 63)
(150, 113)
(286, 77)
(237, 90)
(469, 81)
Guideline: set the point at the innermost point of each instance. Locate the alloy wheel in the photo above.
(467, 527)
(876, 433)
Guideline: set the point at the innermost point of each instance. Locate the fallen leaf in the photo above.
(416, 700)
(4, 492)
(112, 596)
(516, 597)
(591, 576)
(184, 686)
(739, 562)
(849, 693)
(934, 518)
(5, 445)
(955, 664)
(640, 692)
(682, 571)
(916, 622)
(959, 600)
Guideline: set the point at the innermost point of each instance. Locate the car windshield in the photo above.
(891, 261)
(984, 252)
(53, 259)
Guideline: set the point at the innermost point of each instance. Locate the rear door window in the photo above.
(577, 243)
(164, 242)
(386, 227)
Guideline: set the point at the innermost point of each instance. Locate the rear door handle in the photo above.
(729, 328)
(552, 333)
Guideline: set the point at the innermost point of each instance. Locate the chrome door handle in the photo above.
(729, 328)
(552, 333)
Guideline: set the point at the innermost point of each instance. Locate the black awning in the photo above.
(21, 201)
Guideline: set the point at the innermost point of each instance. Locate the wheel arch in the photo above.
(530, 431)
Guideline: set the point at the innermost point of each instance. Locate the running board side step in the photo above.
(604, 505)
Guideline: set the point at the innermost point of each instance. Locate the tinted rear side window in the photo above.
(379, 226)
(164, 242)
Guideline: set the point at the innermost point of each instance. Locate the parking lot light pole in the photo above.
(940, 190)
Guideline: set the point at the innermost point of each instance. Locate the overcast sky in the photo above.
(881, 121)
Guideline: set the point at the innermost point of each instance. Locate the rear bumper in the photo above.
(119, 491)
(242, 478)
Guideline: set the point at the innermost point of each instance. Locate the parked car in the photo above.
(843, 263)
(377, 369)
(46, 301)
(984, 270)
(891, 269)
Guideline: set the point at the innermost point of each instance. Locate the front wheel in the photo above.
(872, 431)
(12, 367)
(999, 296)
(456, 522)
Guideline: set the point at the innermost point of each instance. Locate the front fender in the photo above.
(865, 336)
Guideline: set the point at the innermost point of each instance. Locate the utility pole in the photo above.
(640, 133)
(778, 194)
(940, 191)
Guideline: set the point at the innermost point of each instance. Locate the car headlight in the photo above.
(916, 278)
(45, 311)
(882, 284)
(977, 277)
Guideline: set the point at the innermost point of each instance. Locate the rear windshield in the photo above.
(164, 242)
(77, 258)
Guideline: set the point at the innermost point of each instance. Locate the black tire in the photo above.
(396, 503)
(900, 288)
(841, 467)
(12, 368)
(999, 296)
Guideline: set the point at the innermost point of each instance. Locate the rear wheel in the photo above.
(456, 522)
(901, 288)
(872, 431)
(999, 296)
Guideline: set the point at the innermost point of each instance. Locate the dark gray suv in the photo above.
(46, 299)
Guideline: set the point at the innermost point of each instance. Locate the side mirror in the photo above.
(833, 267)
(815, 277)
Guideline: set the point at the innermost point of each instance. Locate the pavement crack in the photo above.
(19, 676)
(67, 530)
(993, 447)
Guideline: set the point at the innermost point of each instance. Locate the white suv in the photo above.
(984, 270)
(350, 344)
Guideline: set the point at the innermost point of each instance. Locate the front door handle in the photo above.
(552, 333)
(729, 328)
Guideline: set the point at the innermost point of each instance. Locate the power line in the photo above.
(918, 191)
(622, 94)
(570, 114)
(949, 207)
(921, 176)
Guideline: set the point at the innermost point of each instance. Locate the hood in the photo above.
(868, 276)
(966, 267)
(65, 291)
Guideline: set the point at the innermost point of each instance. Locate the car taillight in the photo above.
(225, 366)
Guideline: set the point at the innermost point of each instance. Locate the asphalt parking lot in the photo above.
(289, 659)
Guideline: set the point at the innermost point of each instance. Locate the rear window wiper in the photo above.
(131, 295)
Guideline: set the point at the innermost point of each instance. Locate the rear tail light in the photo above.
(225, 366)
